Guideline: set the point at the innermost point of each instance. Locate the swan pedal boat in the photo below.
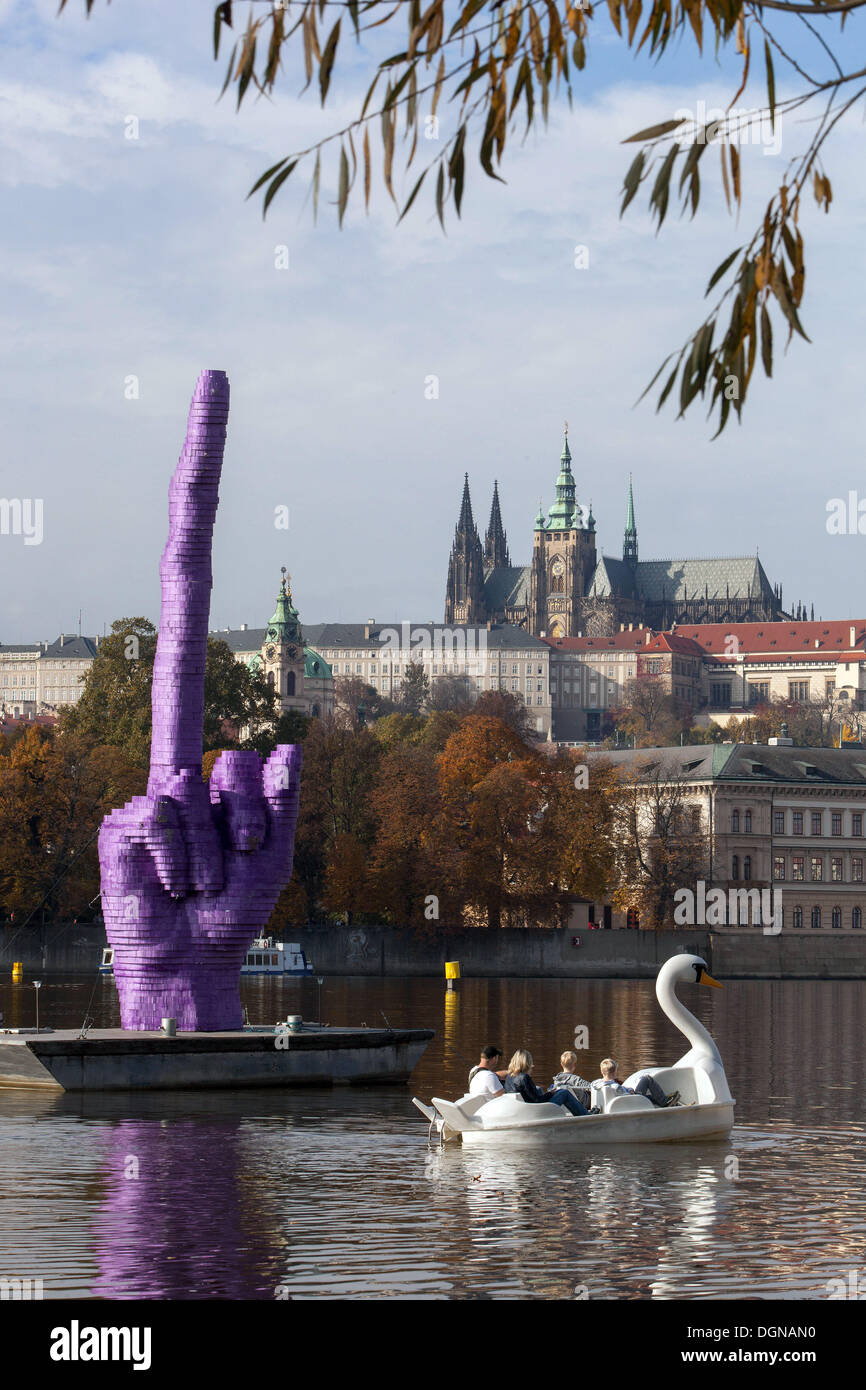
(705, 1109)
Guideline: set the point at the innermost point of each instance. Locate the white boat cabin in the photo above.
(268, 957)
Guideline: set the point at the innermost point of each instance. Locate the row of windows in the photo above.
(816, 868)
(817, 917)
(816, 822)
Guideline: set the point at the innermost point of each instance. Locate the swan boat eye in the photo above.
(699, 970)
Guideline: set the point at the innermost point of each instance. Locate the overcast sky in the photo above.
(142, 258)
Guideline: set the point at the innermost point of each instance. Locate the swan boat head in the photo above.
(703, 1060)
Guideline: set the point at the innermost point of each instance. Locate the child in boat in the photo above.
(571, 1080)
(518, 1080)
(646, 1086)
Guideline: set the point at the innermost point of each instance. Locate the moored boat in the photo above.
(266, 956)
(705, 1109)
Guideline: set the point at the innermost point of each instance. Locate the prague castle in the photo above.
(571, 590)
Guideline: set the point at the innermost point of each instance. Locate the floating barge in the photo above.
(110, 1059)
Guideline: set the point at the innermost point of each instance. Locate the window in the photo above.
(778, 867)
(695, 813)
(778, 822)
(836, 870)
(836, 823)
(747, 867)
(747, 822)
(856, 917)
(797, 917)
(816, 868)
(720, 694)
(290, 683)
(817, 818)
(797, 827)
(653, 667)
(735, 866)
(798, 691)
(836, 917)
(759, 692)
(735, 821)
(798, 868)
(857, 823)
(816, 916)
(856, 870)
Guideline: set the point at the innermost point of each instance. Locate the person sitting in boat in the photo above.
(646, 1086)
(485, 1080)
(518, 1079)
(572, 1080)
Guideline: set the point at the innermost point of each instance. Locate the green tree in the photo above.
(114, 707)
(414, 688)
(499, 64)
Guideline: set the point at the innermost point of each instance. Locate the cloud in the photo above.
(142, 258)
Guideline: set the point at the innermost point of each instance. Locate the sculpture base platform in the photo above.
(110, 1059)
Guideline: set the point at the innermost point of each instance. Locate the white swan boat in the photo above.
(705, 1110)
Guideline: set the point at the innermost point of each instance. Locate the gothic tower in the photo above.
(629, 545)
(563, 559)
(464, 595)
(495, 542)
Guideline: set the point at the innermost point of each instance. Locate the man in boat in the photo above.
(570, 1078)
(485, 1080)
(646, 1086)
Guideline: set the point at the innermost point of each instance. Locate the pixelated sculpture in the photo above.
(191, 873)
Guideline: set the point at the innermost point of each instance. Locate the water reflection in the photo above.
(334, 1193)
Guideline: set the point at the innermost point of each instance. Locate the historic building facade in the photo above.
(300, 676)
(569, 589)
(787, 820)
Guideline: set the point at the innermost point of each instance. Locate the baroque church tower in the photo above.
(464, 594)
(563, 559)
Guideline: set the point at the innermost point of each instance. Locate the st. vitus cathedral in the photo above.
(569, 589)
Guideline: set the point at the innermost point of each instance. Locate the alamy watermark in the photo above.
(742, 907)
(739, 126)
(22, 516)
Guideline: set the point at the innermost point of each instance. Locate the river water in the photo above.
(305, 1194)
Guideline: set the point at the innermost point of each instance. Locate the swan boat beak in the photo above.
(707, 979)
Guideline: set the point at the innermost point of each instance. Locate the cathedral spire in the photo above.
(466, 523)
(563, 512)
(495, 542)
(464, 593)
(629, 546)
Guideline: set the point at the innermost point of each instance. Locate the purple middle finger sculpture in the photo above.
(191, 873)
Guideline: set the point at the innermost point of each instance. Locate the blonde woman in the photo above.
(518, 1081)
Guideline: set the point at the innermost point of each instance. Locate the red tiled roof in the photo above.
(775, 638)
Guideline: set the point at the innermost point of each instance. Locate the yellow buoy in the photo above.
(452, 972)
(18, 971)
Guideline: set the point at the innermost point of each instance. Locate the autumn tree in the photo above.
(496, 66)
(356, 703)
(578, 838)
(503, 705)
(55, 789)
(649, 714)
(492, 790)
(402, 872)
(662, 843)
(339, 772)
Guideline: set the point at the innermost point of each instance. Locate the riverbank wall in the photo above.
(385, 951)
